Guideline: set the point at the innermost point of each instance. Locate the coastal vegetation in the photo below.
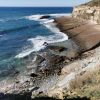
(94, 3)
(87, 84)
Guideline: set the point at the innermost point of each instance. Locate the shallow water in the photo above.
(22, 32)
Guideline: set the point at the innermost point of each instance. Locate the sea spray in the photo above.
(38, 42)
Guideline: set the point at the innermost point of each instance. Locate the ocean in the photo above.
(22, 33)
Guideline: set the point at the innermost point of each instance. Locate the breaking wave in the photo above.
(39, 41)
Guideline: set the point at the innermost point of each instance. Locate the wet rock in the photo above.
(16, 72)
(44, 17)
(57, 48)
(10, 72)
(53, 60)
(46, 44)
(32, 68)
(66, 48)
(39, 59)
(33, 75)
(42, 66)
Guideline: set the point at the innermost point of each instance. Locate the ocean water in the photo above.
(22, 33)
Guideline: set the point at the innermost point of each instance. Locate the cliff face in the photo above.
(89, 11)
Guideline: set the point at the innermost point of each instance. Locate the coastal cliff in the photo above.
(89, 11)
(68, 70)
(80, 79)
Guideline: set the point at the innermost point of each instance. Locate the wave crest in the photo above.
(38, 42)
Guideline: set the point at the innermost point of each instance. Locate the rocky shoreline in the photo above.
(53, 68)
(76, 29)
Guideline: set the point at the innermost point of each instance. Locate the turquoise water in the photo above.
(22, 33)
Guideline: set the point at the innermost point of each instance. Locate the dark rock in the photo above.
(31, 56)
(50, 64)
(39, 59)
(57, 48)
(45, 16)
(10, 72)
(45, 43)
(33, 75)
(17, 81)
(35, 88)
(40, 92)
(16, 72)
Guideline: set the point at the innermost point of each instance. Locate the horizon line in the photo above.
(36, 6)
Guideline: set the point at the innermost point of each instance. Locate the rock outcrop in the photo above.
(52, 70)
(84, 29)
(85, 34)
(89, 11)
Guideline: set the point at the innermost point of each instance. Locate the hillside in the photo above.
(94, 3)
(80, 80)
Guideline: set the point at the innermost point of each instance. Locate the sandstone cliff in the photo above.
(89, 11)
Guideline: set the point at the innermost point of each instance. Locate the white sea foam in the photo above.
(1, 35)
(46, 21)
(38, 16)
(11, 19)
(34, 17)
(1, 20)
(38, 42)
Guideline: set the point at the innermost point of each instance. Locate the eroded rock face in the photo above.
(88, 61)
(89, 11)
(85, 34)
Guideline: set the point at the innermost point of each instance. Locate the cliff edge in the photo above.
(89, 11)
(80, 79)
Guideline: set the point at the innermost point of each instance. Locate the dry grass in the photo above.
(82, 80)
(87, 84)
(93, 3)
